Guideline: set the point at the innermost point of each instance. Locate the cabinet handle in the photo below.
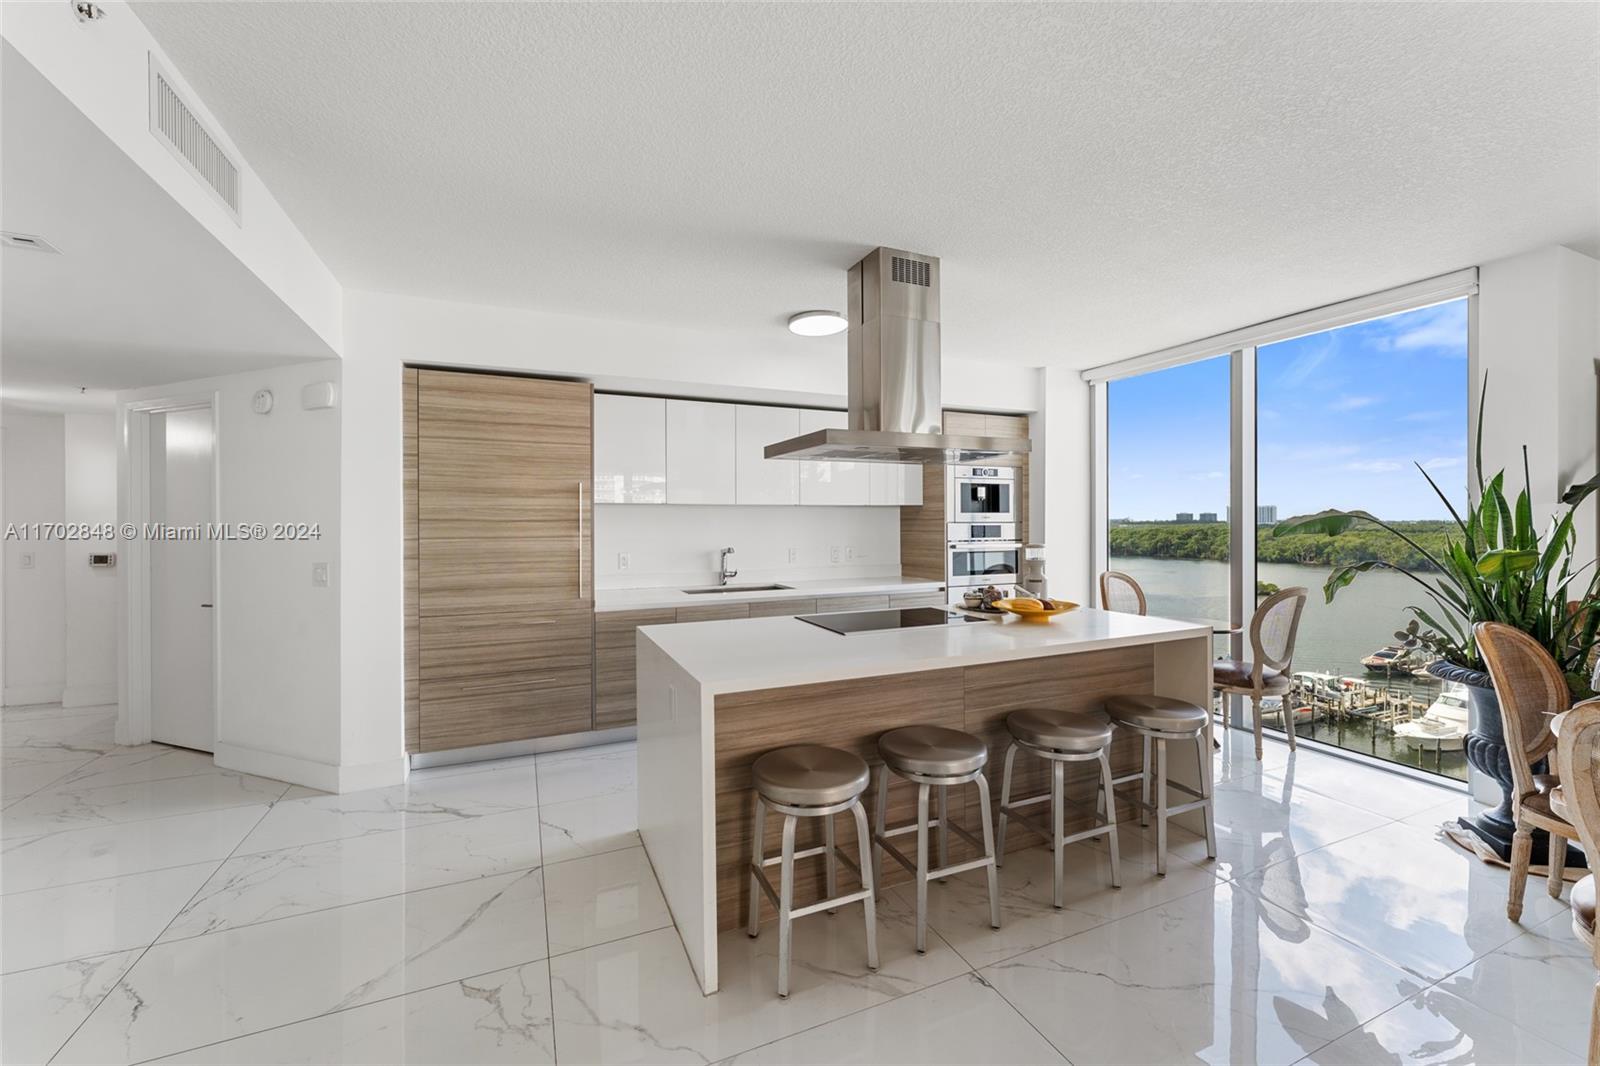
(581, 566)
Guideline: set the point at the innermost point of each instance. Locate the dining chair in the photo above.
(1120, 592)
(1266, 673)
(1577, 799)
(1530, 687)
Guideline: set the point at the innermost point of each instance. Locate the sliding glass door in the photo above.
(1345, 418)
(1167, 491)
(1340, 418)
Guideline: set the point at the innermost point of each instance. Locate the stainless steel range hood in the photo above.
(894, 390)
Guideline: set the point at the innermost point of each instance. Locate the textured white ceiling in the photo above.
(1100, 180)
(140, 294)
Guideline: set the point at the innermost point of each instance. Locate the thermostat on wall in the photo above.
(102, 559)
(317, 395)
(261, 402)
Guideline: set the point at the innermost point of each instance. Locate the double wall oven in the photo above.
(981, 527)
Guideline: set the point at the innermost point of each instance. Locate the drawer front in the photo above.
(852, 603)
(492, 678)
(713, 612)
(779, 608)
(615, 663)
(918, 599)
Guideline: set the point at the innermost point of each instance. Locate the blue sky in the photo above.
(1343, 415)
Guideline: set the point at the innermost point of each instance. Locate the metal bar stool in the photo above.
(809, 781)
(1061, 737)
(1159, 719)
(934, 757)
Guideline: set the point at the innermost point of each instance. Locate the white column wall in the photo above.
(1062, 513)
(35, 600)
(90, 652)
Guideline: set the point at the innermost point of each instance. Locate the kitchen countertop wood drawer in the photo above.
(779, 608)
(852, 603)
(713, 612)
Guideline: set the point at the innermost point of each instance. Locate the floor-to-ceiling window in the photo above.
(1294, 421)
(1167, 494)
(1345, 417)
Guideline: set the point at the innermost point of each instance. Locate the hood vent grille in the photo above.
(175, 125)
(910, 271)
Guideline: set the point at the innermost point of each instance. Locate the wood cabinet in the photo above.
(760, 480)
(919, 599)
(630, 449)
(615, 662)
(504, 590)
(700, 466)
(852, 603)
(780, 608)
(413, 646)
(830, 483)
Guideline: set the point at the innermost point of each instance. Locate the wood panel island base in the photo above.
(712, 696)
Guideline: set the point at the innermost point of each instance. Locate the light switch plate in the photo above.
(27, 560)
(835, 554)
(623, 561)
(319, 575)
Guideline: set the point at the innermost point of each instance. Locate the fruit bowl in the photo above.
(1030, 609)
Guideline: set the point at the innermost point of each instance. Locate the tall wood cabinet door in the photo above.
(616, 659)
(505, 587)
(413, 675)
(505, 500)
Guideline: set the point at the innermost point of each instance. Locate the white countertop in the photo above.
(745, 654)
(646, 599)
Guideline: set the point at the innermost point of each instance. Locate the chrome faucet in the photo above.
(723, 573)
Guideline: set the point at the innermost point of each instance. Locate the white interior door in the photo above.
(181, 580)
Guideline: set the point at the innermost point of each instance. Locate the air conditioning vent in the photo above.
(909, 271)
(174, 124)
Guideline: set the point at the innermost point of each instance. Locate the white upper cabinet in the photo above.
(895, 483)
(630, 449)
(759, 480)
(700, 453)
(830, 483)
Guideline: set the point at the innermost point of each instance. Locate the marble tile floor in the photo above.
(156, 908)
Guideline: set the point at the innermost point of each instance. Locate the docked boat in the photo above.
(1390, 659)
(1443, 726)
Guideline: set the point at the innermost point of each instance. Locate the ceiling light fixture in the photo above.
(817, 323)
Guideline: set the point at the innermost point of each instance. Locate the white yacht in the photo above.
(1443, 726)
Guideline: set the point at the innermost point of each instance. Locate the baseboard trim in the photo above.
(28, 695)
(325, 777)
(511, 749)
(96, 695)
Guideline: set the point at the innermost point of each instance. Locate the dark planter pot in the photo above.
(1487, 752)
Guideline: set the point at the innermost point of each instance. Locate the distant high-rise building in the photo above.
(1267, 515)
(1208, 516)
(1185, 516)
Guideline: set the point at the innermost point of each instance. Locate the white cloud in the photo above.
(1424, 416)
(1376, 466)
(1443, 462)
(1352, 403)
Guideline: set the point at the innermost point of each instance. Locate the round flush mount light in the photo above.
(817, 323)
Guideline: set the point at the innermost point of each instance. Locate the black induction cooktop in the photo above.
(848, 622)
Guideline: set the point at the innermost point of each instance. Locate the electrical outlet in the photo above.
(623, 560)
(793, 555)
(850, 552)
(27, 560)
(319, 575)
(835, 554)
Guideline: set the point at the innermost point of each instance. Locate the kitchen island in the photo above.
(712, 696)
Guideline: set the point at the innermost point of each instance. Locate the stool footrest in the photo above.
(811, 853)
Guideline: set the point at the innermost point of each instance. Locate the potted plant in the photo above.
(1495, 567)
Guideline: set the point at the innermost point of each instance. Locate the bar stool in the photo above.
(809, 781)
(1159, 719)
(934, 757)
(1060, 737)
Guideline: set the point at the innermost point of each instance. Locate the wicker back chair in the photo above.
(1577, 799)
(1531, 688)
(1120, 592)
(1273, 629)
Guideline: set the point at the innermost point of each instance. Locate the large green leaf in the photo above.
(1328, 523)
(1576, 494)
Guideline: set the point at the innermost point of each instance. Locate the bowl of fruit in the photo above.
(1035, 608)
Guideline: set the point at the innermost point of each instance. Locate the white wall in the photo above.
(35, 597)
(1062, 513)
(278, 665)
(1538, 339)
(90, 655)
(672, 546)
(382, 332)
(103, 68)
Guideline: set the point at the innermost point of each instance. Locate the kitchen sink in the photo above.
(737, 588)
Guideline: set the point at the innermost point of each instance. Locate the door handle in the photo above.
(205, 605)
(581, 584)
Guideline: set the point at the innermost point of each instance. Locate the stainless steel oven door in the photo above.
(986, 563)
(956, 531)
(982, 499)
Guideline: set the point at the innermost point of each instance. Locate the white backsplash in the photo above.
(670, 546)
